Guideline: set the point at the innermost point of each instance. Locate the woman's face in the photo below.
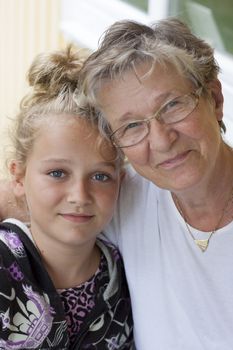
(175, 156)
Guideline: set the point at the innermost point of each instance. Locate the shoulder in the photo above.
(112, 256)
(15, 241)
(135, 184)
(14, 246)
(10, 238)
(12, 253)
(135, 193)
(132, 178)
(116, 270)
(10, 206)
(109, 250)
(137, 210)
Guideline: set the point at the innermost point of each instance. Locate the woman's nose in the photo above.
(161, 136)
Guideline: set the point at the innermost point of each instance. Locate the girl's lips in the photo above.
(174, 162)
(77, 218)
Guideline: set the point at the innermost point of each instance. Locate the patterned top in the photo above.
(32, 313)
(80, 300)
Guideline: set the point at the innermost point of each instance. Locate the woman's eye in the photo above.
(171, 105)
(101, 177)
(133, 125)
(57, 173)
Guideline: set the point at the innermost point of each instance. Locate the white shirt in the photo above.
(182, 298)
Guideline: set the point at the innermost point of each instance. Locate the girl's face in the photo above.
(70, 186)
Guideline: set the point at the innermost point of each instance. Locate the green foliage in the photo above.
(141, 4)
(222, 12)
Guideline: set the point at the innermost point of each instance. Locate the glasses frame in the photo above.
(196, 96)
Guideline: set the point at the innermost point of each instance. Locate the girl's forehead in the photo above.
(67, 119)
(77, 132)
(69, 126)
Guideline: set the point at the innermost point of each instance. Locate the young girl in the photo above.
(61, 288)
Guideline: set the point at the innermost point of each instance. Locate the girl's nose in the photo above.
(79, 194)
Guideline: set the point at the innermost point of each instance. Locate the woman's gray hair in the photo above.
(126, 44)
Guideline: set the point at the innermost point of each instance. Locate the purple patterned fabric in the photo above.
(80, 300)
(31, 317)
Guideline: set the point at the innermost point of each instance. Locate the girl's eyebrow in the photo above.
(56, 160)
(109, 164)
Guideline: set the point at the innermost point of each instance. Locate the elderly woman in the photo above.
(157, 95)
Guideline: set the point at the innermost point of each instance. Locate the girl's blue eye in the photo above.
(57, 173)
(101, 177)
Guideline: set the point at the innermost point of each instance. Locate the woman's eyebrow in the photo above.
(159, 102)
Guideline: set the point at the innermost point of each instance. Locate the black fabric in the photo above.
(31, 312)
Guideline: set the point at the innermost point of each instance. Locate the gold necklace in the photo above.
(202, 243)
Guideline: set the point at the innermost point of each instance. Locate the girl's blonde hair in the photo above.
(52, 79)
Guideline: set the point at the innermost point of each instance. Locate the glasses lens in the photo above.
(178, 109)
(172, 112)
(130, 134)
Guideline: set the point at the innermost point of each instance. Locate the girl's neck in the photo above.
(68, 268)
(72, 275)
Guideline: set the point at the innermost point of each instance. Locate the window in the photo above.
(141, 4)
(85, 21)
(212, 20)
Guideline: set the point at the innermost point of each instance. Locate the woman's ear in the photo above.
(215, 89)
(18, 172)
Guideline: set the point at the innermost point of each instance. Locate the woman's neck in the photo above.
(209, 203)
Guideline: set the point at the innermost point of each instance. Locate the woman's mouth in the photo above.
(175, 161)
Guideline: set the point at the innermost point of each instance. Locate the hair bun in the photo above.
(52, 73)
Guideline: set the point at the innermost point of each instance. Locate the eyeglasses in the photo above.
(171, 112)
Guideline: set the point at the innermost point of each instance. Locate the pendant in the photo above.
(202, 243)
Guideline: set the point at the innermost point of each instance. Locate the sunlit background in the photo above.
(28, 27)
